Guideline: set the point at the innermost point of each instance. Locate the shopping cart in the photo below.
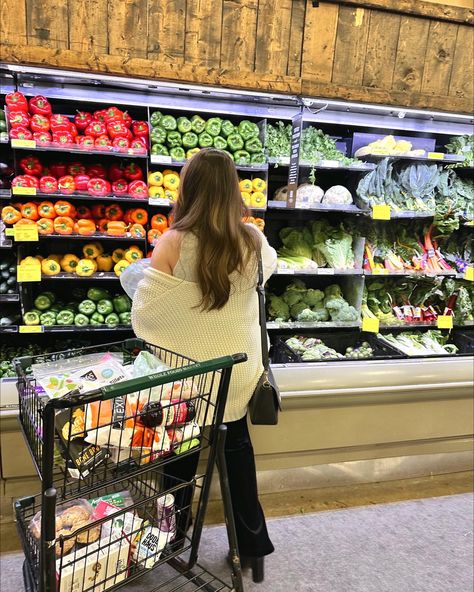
(99, 522)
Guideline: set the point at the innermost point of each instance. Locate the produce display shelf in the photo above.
(319, 271)
(101, 275)
(349, 209)
(324, 164)
(77, 197)
(96, 235)
(407, 326)
(9, 329)
(408, 214)
(272, 325)
(70, 150)
(9, 297)
(5, 193)
(83, 329)
(6, 244)
(408, 273)
(446, 158)
(4, 141)
(159, 160)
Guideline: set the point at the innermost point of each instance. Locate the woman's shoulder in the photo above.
(166, 251)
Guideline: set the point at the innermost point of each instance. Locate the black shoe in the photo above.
(256, 563)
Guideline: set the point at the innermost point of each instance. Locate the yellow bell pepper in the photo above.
(171, 181)
(85, 267)
(171, 195)
(30, 261)
(258, 184)
(50, 267)
(246, 198)
(55, 257)
(156, 192)
(69, 263)
(39, 258)
(245, 185)
(104, 262)
(133, 254)
(121, 266)
(92, 250)
(168, 172)
(155, 179)
(118, 255)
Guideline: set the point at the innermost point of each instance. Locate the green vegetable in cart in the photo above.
(190, 140)
(173, 139)
(159, 149)
(125, 318)
(65, 317)
(158, 135)
(169, 123)
(178, 154)
(156, 118)
(205, 140)
(220, 143)
(31, 318)
(235, 142)
(104, 307)
(42, 302)
(258, 158)
(227, 128)
(97, 294)
(213, 126)
(88, 307)
(197, 124)
(81, 320)
(192, 152)
(48, 318)
(112, 319)
(241, 157)
(184, 125)
(254, 145)
(97, 319)
(248, 129)
(122, 303)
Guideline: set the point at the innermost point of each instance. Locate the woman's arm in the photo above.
(166, 252)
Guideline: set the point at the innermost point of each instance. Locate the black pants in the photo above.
(252, 535)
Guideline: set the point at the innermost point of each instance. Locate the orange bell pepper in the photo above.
(153, 235)
(114, 212)
(159, 222)
(10, 215)
(84, 227)
(30, 211)
(102, 224)
(63, 225)
(45, 226)
(98, 211)
(25, 221)
(127, 218)
(46, 210)
(84, 213)
(64, 208)
(139, 216)
(116, 228)
(137, 231)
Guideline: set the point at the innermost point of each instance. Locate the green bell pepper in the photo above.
(227, 128)
(173, 139)
(190, 140)
(97, 319)
(97, 294)
(258, 158)
(80, 320)
(159, 149)
(235, 142)
(177, 154)
(248, 129)
(31, 317)
(241, 157)
(104, 307)
(65, 317)
(158, 135)
(168, 123)
(125, 318)
(205, 140)
(42, 302)
(88, 307)
(213, 126)
(156, 118)
(48, 318)
(184, 125)
(254, 145)
(197, 124)
(192, 152)
(220, 143)
(122, 303)
(78, 294)
(112, 319)
(50, 295)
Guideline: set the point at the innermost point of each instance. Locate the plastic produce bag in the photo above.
(132, 274)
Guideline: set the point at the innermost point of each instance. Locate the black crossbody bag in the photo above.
(266, 401)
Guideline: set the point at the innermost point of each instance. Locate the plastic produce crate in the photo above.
(463, 340)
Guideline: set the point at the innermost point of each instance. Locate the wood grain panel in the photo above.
(411, 53)
(273, 36)
(166, 25)
(351, 45)
(461, 83)
(87, 32)
(203, 32)
(319, 41)
(12, 22)
(381, 48)
(239, 34)
(439, 57)
(46, 23)
(295, 49)
(128, 28)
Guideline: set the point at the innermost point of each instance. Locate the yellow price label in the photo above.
(370, 325)
(469, 274)
(436, 155)
(24, 190)
(381, 212)
(9, 232)
(28, 273)
(26, 233)
(30, 329)
(379, 271)
(17, 143)
(445, 322)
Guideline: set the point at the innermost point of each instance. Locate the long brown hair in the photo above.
(210, 205)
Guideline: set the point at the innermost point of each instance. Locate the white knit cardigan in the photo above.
(164, 314)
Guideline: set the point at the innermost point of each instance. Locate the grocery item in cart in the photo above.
(121, 499)
(166, 514)
(150, 546)
(122, 524)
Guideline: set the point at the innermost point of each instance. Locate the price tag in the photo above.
(160, 159)
(329, 163)
(9, 232)
(444, 322)
(436, 155)
(303, 205)
(325, 271)
(381, 212)
(26, 233)
(28, 273)
(17, 143)
(285, 271)
(379, 271)
(24, 190)
(30, 329)
(158, 201)
(370, 325)
(469, 274)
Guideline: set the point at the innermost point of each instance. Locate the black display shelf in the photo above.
(95, 236)
(85, 328)
(408, 214)
(447, 158)
(325, 271)
(362, 167)
(9, 329)
(75, 150)
(409, 273)
(5, 193)
(87, 197)
(348, 209)
(159, 160)
(101, 275)
(274, 325)
(9, 297)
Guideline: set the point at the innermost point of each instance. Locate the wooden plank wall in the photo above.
(403, 52)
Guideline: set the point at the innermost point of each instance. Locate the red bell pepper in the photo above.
(140, 128)
(138, 145)
(25, 181)
(16, 101)
(121, 144)
(84, 213)
(81, 181)
(115, 171)
(18, 119)
(58, 169)
(99, 115)
(112, 114)
(21, 133)
(86, 142)
(59, 123)
(96, 170)
(31, 165)
(98, 187)
(73, 130)
(117, 129)
(76, 168)
(40, 105)
(120, 187)
(82, 119)
(103, 143)
(42, 138)
(48, 184)
(39, 123)
(63, 138)
(138, 189)
(126, 119)
(98, 211)
(133, 172)
(66, 184)
(96, 129)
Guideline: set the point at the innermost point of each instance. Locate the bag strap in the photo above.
(261, 313)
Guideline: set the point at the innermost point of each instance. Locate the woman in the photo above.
(206, 265)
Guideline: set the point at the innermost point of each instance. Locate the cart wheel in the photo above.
(27, 579)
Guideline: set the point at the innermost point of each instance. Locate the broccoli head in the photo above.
(333, 303)
(306, 315)
(277, 308)
(345, 314)
(313, 297)
(297, 308)
(292, 297)
(321, 313)
(333, 290)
